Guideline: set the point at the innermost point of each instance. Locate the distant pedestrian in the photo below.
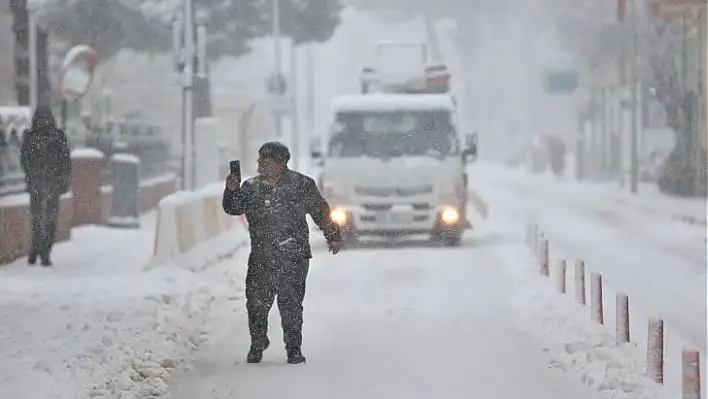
(276, 204)
(46, 161)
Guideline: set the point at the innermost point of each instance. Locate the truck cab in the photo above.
(394, 166)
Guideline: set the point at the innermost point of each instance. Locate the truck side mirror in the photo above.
(317, 157)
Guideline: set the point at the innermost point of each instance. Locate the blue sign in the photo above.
(565, 82)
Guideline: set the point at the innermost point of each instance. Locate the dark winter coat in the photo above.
(276, 214)
(45, 154)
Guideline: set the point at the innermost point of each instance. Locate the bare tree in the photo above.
(590, 30)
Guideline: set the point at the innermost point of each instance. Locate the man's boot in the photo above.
(32, 257)
(295, 355)
(255, 354)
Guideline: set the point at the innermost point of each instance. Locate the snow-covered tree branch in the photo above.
(145, 25)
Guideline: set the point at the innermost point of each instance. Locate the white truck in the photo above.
(394, 164)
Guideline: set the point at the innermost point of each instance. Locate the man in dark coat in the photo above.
(276, 203)
(46, 161)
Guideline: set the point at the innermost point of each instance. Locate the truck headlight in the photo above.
(450, 216)
(339, 216)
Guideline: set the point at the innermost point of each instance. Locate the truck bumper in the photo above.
(356, 221)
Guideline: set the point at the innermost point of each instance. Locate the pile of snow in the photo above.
(96, 325)
(649, 199)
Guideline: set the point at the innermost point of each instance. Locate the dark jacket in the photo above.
(276, 214)
(45, 154)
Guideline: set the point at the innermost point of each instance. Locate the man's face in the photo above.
(267, 166)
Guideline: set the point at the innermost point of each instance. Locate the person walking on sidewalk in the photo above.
(46, 160)
(276, 203)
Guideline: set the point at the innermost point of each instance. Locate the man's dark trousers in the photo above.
(44, 207)
(267, 278)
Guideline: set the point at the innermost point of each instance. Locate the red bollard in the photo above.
(596, 307)
(545, 258)
(560, 276)
(655, 351)
(580, 282)
(691, 386)
(622, 324)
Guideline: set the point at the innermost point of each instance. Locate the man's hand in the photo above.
(233, 183)
(334, 246)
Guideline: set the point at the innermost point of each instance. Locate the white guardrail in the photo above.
(193, 231)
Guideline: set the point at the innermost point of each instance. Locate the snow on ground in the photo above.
(96, 325)
(656, 260)
(648, 199)
(409, 322)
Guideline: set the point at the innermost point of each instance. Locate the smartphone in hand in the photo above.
(235, 168)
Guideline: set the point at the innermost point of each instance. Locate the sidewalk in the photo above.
(95, 324)
(648, 200)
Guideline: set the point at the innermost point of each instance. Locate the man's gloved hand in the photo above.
(334, 246)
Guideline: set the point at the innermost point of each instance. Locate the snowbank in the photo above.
(96, 325)
(125, 158)
(87, 153)
(166, 178)
(649, 200)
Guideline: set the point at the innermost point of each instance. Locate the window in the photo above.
(387, 134)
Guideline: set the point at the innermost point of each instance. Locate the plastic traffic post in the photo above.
(580, 282)
(655, 351)
(622, 322)
(596, 306)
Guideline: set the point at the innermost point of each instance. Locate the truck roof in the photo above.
(392, 102)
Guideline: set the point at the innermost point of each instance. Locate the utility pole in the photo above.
(310, 93)
(701, 182)
(185, 52)
(32, 7)
(294, 120)
(275, 4)
(634, 139)
(188, 87)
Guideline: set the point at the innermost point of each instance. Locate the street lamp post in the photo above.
(634, 128)
(185, 50)
(277, 60)
(32, 7)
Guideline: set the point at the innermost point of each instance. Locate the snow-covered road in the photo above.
(407, 322)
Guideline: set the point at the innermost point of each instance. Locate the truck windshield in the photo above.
(394, 134)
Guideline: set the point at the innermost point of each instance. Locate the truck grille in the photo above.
(393, 191)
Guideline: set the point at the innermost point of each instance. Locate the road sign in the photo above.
(560, 82)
